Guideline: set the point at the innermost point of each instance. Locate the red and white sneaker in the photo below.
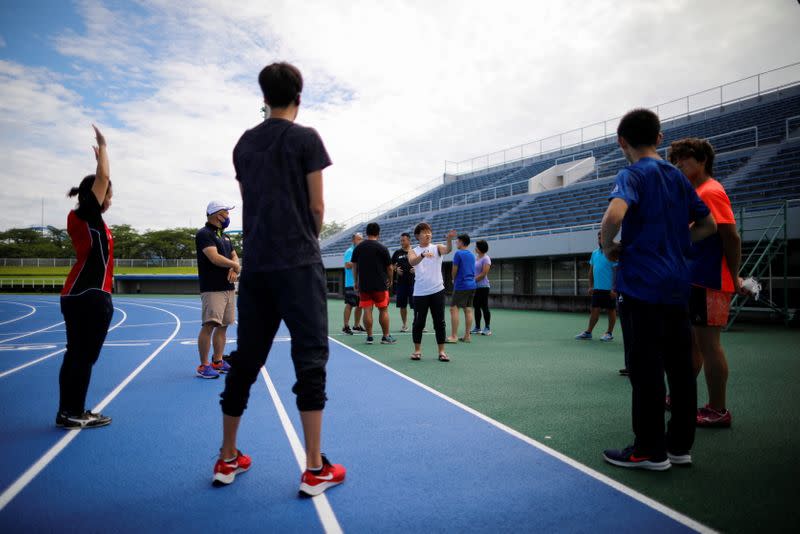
(225, 472)
(331, 475)
(708, 417)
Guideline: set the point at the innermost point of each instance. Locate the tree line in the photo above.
(173, 243)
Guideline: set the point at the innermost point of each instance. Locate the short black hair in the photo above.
(482, 245)
(281, 84)
(464, 238)
(422, 227)
(405, 234)
(640, 128)
(374, 229)
(692, 147)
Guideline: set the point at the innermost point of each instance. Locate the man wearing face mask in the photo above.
(218, 268)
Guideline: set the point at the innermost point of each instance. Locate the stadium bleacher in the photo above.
(496, 201)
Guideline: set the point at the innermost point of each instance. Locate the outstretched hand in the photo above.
(101, 142)
(452, 234)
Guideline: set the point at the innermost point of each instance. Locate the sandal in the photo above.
(450, 340)
(443, 357)
(416, 356)
(465, 340)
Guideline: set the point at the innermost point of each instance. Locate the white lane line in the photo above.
(329, 522)
(13, 490)
(630, 492)
(46, 356)
(31, 333)
(33, 310)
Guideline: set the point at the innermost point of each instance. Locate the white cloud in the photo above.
(393, 88)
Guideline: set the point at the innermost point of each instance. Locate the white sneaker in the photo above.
(404, 329)
(607, 337)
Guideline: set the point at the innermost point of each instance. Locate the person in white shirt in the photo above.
(426, 259)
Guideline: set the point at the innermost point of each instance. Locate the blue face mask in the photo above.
(225, 222)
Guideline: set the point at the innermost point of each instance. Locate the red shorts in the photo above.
(709, 307)
(373, 298)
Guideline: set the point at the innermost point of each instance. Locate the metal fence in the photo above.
(118, 262)
(704, 101)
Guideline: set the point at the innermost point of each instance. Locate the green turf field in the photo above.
(533, 376)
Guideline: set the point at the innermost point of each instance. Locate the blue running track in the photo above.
(417, 461)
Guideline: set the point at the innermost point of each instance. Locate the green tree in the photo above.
(330, 228)
(169, 244)
(127, 241)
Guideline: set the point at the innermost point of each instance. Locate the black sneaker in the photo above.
(628, 457)
(370, 340)
(85, 420)
(388, 340)
(624, 372)
(226, 358)
(359, 329)
(347, 331)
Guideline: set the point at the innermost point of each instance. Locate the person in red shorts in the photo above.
(372, 275)
(714, 266)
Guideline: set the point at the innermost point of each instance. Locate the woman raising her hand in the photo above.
(86, 297)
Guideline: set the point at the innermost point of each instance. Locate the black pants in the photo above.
(87, 318)
(435, 303)
(298, 297)
(657, 339)
(481, 304)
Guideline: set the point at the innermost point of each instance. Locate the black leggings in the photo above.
(87, 318)
(435, 303)
(481, 305)
(298, 298)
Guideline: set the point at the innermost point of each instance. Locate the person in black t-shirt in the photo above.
(217, 269)
(372, 274)
(403, 279)
(279, 169)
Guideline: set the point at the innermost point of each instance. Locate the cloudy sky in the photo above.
(394, 88)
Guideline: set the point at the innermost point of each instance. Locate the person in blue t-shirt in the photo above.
(660, 215)
(350, 295)
(601, 289)
(463, 289)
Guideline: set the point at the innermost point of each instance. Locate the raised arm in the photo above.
(447, 249)
(316, 202)
(102, 176)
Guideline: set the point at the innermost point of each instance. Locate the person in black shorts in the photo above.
(350, 295)
(279, 169)
(403, 279)
(86, 297)
(601, 289)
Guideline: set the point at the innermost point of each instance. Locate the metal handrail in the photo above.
(689, 111)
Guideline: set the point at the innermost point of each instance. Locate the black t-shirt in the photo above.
(213, 277)
(372, 259)
(400, 258)
(271, 162)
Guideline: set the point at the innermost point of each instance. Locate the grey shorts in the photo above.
(219, 307)
(462, 298)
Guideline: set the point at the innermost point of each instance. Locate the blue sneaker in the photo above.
(608, 336)
(584, 335)
(487, 331)
(370, 340)
(475, 330)
(388, 340)
(206, 371)
(628, 457)
(221, 366)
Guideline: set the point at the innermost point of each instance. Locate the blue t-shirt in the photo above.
(602, 270)
(348, 273)
(465, 277)
(655, 231)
